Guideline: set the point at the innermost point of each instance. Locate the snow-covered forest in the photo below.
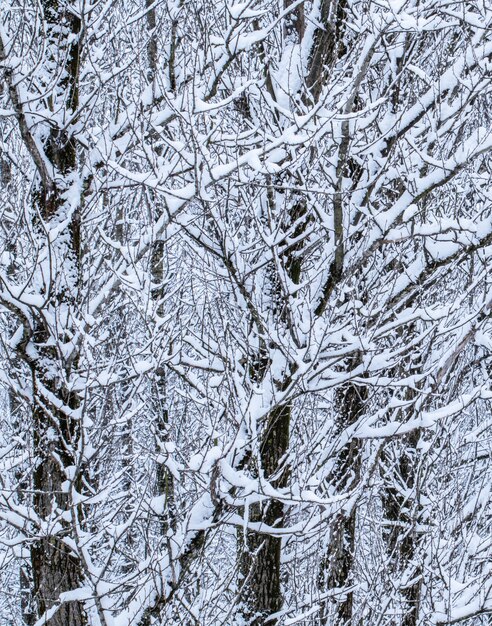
(245, 312)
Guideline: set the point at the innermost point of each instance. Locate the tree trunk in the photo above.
(56, 432)
(164, 478)
(336, 567)
(260, 563)
(260, 560)
(400, 507)
(55, 568)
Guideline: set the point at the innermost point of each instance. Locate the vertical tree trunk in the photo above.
(336, 567)
(56, 433)
(260, 563)
(400, 501)
(164, 478)
(327, 45)
(400, 507)
(336, 564)
(55, 568)
(17, 415)
(261, 555)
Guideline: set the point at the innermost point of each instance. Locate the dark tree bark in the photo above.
(261, 553)
(401, 509)
(56, 433)
(164, 478)
(327, 45)
(260, 562)
(55, 568)
(18, 412)
(336, 567)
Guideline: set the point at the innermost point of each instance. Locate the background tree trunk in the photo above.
(337, 564)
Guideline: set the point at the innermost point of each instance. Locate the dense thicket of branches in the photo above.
(245, 312)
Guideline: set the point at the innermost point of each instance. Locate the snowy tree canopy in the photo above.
(245, 303)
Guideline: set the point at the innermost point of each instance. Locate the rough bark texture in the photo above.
(164, 478)
(17, 414)
(400, 500)
(401, 511)
(337, 563)
(55, 568)
(260, 562)
(261, 553)
(327, 45)
(295, 23)
(56, 434)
